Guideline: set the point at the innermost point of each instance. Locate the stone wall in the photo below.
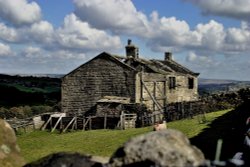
(182, 91)
(157, 85)
(102, 76)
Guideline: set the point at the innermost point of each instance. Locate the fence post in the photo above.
(121, 120)
(105, 120)
(90, 123)
(83, 124)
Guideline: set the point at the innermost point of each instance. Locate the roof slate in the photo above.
(158, 66)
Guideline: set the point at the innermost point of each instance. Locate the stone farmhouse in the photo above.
(115, 79)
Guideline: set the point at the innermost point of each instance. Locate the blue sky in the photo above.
(56, 36)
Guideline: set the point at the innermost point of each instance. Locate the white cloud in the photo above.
(5, 50)
(239, 9)
(67, 55)
(160, 33)
(42, 32)
(238, 36)
(169, 31)
(211, 35)
(75, 34)
(192, 57)
(19, 12)
(32, 52)
(119, 16)
(7, 33)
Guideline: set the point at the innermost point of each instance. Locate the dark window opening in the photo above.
(172, 82)
(190, 83)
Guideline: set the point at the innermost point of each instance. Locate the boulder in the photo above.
(63, 159)
(158, 149)
(9, 150)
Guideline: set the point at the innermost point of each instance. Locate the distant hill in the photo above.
(37, 75)
(218, 86)
(29, 90)
(23, 89)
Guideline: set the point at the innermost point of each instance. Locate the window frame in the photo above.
(172, 82)
(190, 83)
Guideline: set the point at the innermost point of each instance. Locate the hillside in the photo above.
(218, 86)
(46, 88)
(37, 144)
(29, 90)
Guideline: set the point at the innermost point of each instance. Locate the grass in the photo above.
(35, 145)
(35, 89)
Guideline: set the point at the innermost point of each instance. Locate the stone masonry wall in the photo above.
(158, 86)
(182, 92)
(100, 77)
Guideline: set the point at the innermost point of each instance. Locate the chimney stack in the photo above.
(131, 50)
(168, 56)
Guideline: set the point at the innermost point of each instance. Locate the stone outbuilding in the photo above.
(154, 83)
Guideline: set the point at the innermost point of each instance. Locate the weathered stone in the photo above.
(158, 149)
(111, 75)
(9, 150)
(67, 160)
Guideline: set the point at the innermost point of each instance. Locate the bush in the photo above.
(26, 111)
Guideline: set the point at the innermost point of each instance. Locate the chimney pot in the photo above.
(129, 41)
(168, 56)
(132, 50)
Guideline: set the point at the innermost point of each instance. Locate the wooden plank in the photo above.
(121, 120)
(152, 97)
(64, 130)
(105, 121)
(83, 123)
(86, 122)
(51, 122)
(74, 124)
(58, 121)
(154, 79)
(156, 98)
(90, 123)
(45, 125)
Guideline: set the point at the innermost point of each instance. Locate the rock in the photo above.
(158, 149)
(9, 150)
(66, 160)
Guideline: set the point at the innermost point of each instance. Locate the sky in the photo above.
(211, 37)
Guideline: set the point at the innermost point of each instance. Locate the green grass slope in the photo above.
(35, 145)
(20, 91)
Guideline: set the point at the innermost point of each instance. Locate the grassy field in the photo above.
(35, 145)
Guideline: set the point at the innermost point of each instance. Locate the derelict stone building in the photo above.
(154, 83)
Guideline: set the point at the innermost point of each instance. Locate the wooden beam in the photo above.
(156, 98)
(152, 97)
(74, 126)
(90, 123)
(60, 118)
(83, 123)
(105, 121)
(45, 125)
(72, 120)
(152, 80)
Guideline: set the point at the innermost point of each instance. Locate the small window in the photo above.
(190, 83)
(172, 82)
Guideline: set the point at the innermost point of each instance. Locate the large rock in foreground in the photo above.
(66, 160)
(9, 150)
(161, 148)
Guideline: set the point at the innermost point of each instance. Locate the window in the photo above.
(190, 83)
(172, 83)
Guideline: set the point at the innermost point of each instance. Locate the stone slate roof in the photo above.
(158, 66)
